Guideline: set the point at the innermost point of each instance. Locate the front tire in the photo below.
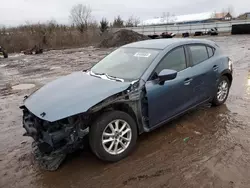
(5, 54)
(222, 91)
(113, 136)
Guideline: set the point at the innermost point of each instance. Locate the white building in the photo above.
(189, 18)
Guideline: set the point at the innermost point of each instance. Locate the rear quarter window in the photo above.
(210, 51)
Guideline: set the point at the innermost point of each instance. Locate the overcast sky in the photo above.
(15, 12)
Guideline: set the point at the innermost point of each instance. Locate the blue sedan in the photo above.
(135, 89)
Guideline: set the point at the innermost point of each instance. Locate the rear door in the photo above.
(204, 72)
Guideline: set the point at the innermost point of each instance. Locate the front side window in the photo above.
(175, 60)
(199, 53)
(126, 63)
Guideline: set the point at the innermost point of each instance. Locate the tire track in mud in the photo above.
(146, 176)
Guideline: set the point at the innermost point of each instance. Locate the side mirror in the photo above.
(167, 74)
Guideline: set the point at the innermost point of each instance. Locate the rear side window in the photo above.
(210, 51)
(199, 53)
(175, 60)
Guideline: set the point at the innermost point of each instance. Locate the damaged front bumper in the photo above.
(54, 140)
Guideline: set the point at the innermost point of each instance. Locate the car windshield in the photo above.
(126, 63)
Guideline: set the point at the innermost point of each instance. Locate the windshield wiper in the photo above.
(108, 76)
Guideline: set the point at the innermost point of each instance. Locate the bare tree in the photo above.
(136, 21)
(80, 16)
(224, 12)
(173, 18)
(130, 22)
(93, 24)
(165, 17)
(230, 10)
(3, 30)
(51, 26)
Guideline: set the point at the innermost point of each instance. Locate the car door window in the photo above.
(175, 60)
(199, 53)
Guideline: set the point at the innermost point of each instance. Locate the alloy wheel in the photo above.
(116, 137)
(222, 91)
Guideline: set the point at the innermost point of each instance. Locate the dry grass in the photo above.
(47, 36)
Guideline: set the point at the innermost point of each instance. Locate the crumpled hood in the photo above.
(70, 95)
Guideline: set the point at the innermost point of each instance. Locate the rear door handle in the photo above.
(187, 81)
(215, 67)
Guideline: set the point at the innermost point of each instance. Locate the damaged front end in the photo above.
(53, 140)
(60, 124)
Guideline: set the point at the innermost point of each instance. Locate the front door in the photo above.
(174, 96)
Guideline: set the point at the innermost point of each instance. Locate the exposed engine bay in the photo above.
(52, 141)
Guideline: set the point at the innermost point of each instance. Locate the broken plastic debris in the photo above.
(196, 132)
(186, 139)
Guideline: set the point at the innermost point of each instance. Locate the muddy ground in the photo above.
(217, 153)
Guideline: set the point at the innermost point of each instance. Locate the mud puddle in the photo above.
(216, 153)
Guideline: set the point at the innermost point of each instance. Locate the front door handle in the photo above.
(187, 81)
(215, 67)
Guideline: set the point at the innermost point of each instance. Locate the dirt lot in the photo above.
(217, 153)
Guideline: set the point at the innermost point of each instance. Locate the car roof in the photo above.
(163, 43)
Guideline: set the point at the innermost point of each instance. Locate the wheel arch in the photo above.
(127, 107)
(228, 74)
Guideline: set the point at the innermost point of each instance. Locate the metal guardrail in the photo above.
(225, 26)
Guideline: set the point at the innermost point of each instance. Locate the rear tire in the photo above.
(113, 144)
(222, 91)
(5, 54)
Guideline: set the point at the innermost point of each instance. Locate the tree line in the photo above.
(81, 17)
(83, 30)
